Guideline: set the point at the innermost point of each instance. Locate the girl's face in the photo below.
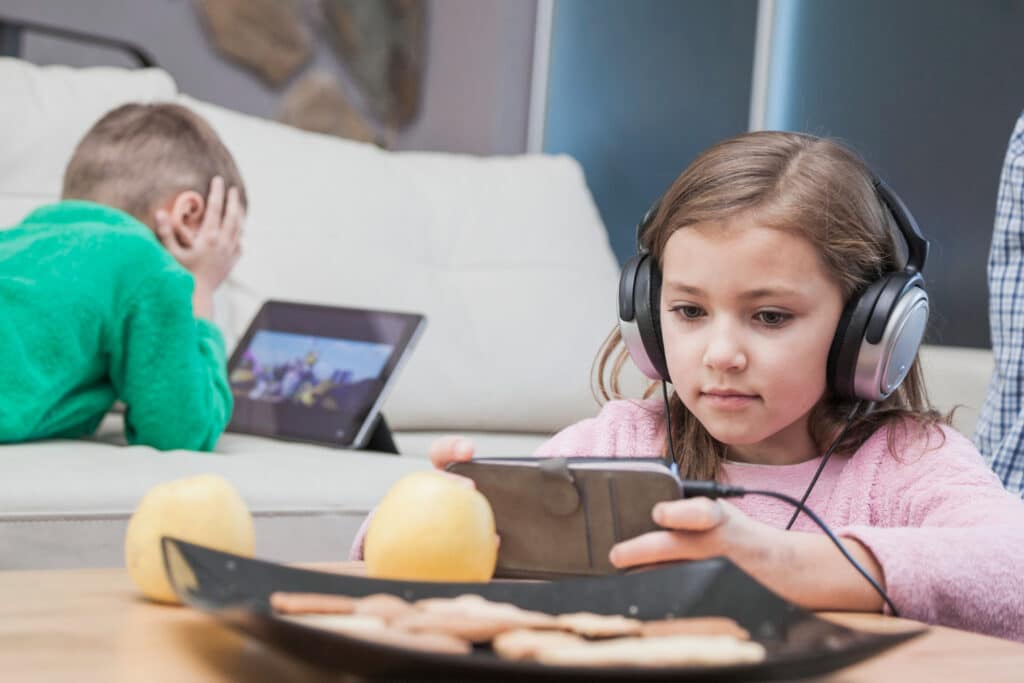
(748, 314)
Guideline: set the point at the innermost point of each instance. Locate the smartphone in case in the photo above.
(560, 517)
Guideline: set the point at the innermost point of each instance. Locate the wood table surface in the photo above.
(91, 625)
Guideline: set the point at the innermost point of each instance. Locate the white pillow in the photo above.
(44, 112)
(507, 257)
(14, 207)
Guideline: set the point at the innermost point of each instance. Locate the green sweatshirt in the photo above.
(93, 309)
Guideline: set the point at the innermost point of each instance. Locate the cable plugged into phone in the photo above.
(693, 488)
(714, 490)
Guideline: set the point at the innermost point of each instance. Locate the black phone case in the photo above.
(560, 517)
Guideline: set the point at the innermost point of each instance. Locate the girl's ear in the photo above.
(186, 210)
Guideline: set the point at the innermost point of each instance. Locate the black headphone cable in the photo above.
(672, 464)
(713, 490)
(824, 461)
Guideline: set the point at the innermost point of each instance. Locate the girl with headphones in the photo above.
(778, 290)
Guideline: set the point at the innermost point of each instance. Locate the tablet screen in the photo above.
(317, 373)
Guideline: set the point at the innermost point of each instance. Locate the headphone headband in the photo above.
(644, 222)
(917, 245)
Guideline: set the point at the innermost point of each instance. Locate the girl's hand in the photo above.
(804, 568)
(449, 449)
(696, 529)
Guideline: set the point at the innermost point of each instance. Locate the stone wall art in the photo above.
(379, 45)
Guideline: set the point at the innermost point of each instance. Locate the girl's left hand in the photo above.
(803, 568)
(696, 529)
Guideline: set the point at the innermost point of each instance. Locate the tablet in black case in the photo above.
(317, 373)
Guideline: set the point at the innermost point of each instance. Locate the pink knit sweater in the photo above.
(949, 538)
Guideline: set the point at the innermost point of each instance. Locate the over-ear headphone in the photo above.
(875, 342)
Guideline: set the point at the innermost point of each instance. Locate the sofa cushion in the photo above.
(957, 378)
(506, 256)
(44, 111)
(67, 503)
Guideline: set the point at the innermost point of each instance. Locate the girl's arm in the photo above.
(811, 572)
(805, 568)
(949, 537)
(944, 540)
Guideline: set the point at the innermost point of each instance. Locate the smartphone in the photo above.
(560, 517)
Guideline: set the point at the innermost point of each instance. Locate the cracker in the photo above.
(340, 623)
(655, 652)
(384, 605)
(598, 625)
(428, 642)
(311, 603)
(375, 629)
(696, 626)
(471, 617)
(526, 643)
(477, 607)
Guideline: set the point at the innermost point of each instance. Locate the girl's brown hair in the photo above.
(815, 188)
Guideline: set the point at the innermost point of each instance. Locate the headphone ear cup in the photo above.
(876, 344)
(648, 315)
(639, 321)
(842, 355)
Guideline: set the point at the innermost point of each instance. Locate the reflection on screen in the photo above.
(318, 372)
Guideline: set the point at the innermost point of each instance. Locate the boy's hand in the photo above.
(215, 247)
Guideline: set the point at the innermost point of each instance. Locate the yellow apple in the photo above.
(205, 509)
(429, 527)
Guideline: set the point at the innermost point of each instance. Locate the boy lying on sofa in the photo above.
(108, 294)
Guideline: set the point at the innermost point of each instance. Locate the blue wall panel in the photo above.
(928, 93)
(637, 89)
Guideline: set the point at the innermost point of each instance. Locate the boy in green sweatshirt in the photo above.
(108, 294)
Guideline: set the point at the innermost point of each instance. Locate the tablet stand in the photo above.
(381, 438)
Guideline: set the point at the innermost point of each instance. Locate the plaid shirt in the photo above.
(1000, 433)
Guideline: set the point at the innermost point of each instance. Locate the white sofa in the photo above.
(507, 257)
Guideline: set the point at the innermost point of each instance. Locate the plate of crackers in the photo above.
(705, 620)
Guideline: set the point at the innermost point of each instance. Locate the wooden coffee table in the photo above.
(90, 625)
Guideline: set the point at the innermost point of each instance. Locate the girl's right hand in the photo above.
(449, 449)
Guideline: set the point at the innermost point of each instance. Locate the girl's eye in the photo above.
(772, 318)
(689, 312)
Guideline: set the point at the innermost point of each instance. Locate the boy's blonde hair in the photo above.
(139, 155)
(812, 187)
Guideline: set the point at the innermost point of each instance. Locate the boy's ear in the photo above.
(185, 211)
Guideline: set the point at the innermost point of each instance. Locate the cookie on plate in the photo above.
(655, 652)
(598, 625)
(311, 603)
(695, 626)
(524, 643)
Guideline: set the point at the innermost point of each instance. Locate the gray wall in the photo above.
(476, 88)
